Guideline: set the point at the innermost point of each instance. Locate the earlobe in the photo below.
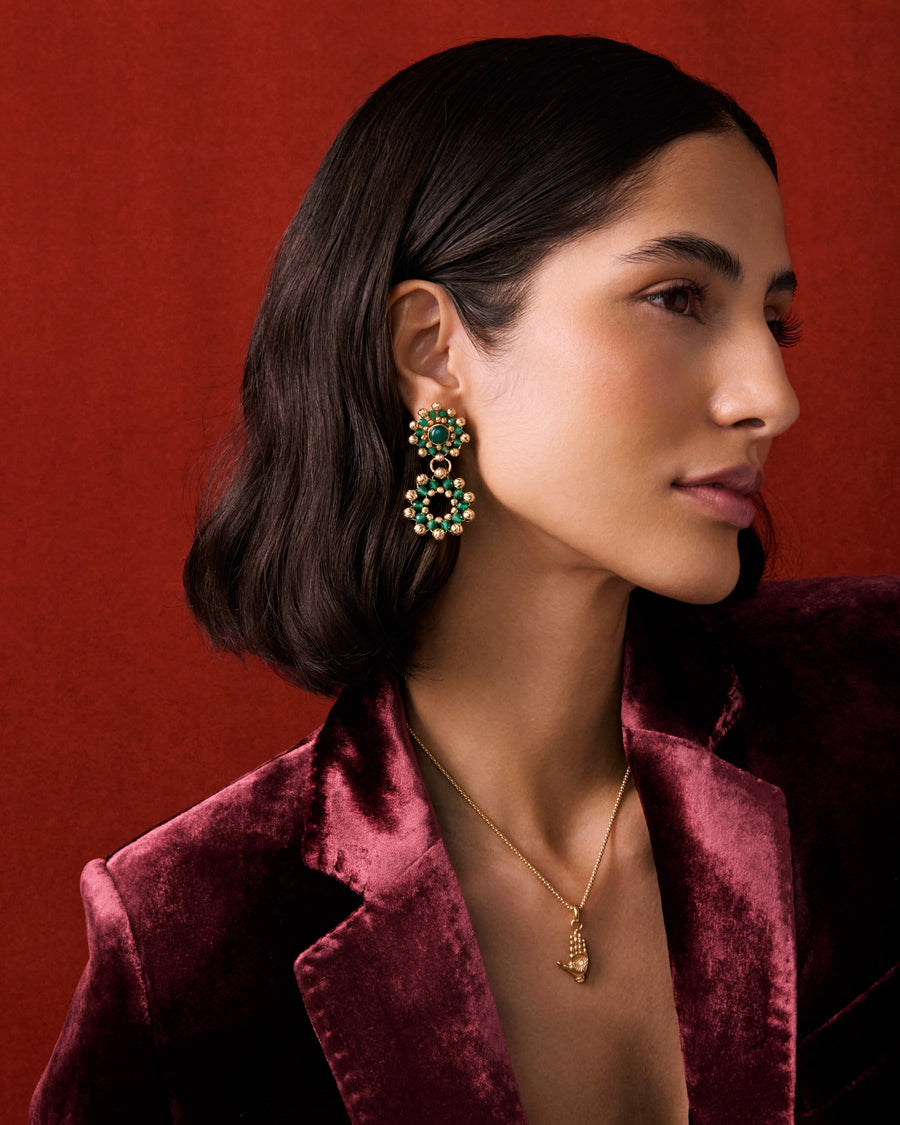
(424, 324)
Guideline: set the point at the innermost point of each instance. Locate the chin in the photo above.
(699, 581)
(708, 595)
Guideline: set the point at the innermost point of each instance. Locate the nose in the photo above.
(752, 389)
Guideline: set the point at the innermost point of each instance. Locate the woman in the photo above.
(590, 832)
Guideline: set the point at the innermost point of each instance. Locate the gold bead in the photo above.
(413, 425)
(411, 494)
(438, 533)
(423, 452)
(421, 478)
(440, 473)
(459, 483)
(456, 529)
(468, 496)
(420, 529)
(435, 406)
(451, 412)
(454, 452)
(463, 437)
(422, 412)
(460, 421)
(409, 513)
(412, 439)
(468, 514)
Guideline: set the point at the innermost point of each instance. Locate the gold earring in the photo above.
(439, 434)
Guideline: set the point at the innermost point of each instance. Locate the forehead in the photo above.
(717, 184)
(719, 177)
(717, 187)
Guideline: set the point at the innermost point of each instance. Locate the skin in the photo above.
(605, 391)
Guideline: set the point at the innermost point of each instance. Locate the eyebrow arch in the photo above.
(711, 254)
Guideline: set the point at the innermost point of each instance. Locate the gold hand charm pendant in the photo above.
(577, 965)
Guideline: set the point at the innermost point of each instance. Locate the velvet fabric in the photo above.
(297, 947)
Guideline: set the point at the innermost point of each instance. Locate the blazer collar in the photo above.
(398, 993)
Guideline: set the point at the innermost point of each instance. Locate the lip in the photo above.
(725, 494)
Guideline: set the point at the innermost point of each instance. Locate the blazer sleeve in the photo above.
(104, 1068)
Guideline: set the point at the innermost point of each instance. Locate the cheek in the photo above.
(650, 386)
(583, 416)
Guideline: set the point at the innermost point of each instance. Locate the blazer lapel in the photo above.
(397, 993)
(721, 845)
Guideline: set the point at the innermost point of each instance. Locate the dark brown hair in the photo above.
(465, 169)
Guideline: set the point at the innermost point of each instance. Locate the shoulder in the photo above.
(816, 661)
(193, 931)
(811, 603)
(814, 626)
(262, 811)
(787, 660)
(229, 871)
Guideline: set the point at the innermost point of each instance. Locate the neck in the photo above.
(519, 691)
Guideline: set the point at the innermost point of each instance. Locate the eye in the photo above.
(684, 298)
(786, 330)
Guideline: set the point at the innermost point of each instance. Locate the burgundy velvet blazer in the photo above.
(296, 948)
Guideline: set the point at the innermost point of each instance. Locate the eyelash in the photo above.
(786, 329)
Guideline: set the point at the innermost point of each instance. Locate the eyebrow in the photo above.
(716, 257)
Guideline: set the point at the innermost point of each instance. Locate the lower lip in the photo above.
(733, 507)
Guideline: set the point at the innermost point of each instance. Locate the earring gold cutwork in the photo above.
(439, 434)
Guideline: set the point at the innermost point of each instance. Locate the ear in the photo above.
(427, 338)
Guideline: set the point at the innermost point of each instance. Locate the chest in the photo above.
(602, 1052)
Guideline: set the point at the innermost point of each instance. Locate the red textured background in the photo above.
(153, 154)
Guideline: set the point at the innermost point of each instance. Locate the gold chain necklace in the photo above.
(577, 963)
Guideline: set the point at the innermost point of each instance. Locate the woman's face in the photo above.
(636, 371)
